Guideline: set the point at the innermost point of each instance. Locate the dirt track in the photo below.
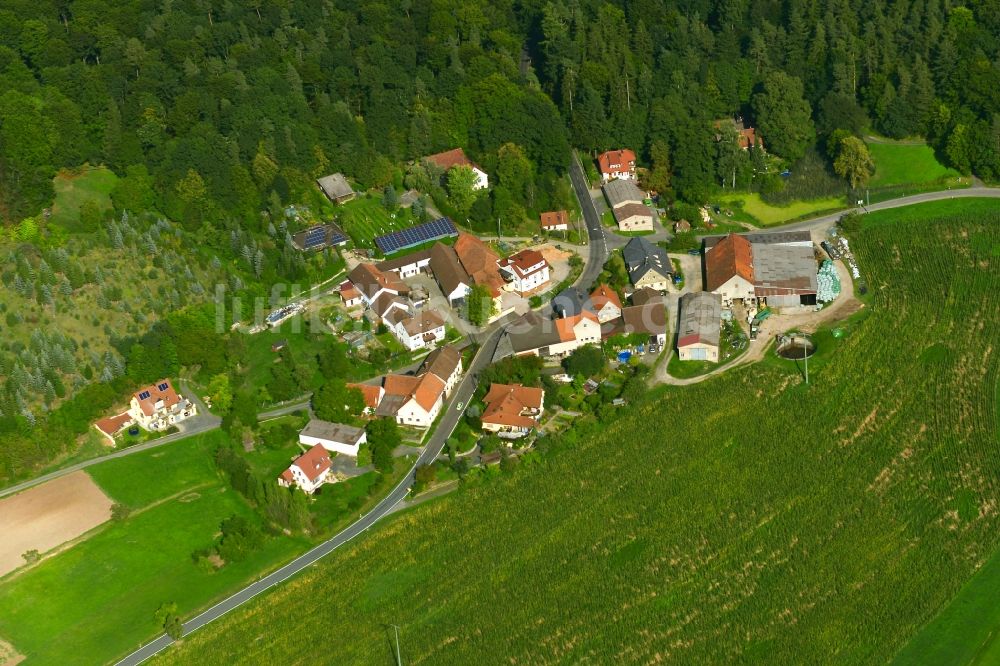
(48, 515)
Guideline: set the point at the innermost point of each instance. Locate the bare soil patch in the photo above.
(48, 515)
(8, 655)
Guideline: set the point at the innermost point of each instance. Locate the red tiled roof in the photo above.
(604, 295)
(425, 389)
(524, 261)
(369, 280)
(168, 395)
(372, 394)
(112, 424)
(512, 405)
(731, 256)
(480, 262)
(623, 159)
(555, 218)
(565, 325)
(450, 158)
(313, 462)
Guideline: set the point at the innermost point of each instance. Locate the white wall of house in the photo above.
(531, 281)
(736, 288)
(303, 482)
(653, 280)
(482, 180)
(636, 223)
(351, 302)
(460, 292)
(587, 331)
(417, 341)
(506, 431)
(698, 351)
(412, 414)
(609, 312)
(624, 175)
(332, 446)
(449, 382)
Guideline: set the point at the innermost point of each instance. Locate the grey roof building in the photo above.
(333, 432)
(803, 238)
(620, 192)
(336, 188)
(641, 257)
(570, 302)
(699, 319)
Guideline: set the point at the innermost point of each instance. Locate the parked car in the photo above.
(695, 253)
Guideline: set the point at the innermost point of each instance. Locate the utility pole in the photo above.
(805, 354)
(498, 229)
(399, 660)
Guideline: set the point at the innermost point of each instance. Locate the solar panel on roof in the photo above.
(143, 395)
(162, 387)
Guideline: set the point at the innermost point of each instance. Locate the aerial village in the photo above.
(441, 292)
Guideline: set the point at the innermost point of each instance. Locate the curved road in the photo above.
(435, 444)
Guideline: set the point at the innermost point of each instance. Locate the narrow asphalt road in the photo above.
(595, 230)
(435, 444)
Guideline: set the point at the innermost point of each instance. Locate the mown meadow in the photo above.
(746, 519)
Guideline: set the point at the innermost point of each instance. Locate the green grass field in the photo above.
(96, 600)
(74, 189)
(745, 519)
(905, 164)
(764, 214)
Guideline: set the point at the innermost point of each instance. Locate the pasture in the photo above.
(96, 600)
(745, 519)
(764, 214)
(906, 164)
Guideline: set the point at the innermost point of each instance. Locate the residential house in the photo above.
(605, 303)
(456, 157)
(571, 301)
(334, 437)
(349, 294)
(648, 265)
(699, 327)
(412, 401)
(455, 283)
(336, 188)
(512, 410)
(776, 269)
(159, 406)
(526, 272)
(540, 336)
(745, 136)
(408, 265)
(309, 471)
(645, 296)
(556, 220)
(634, 217)
(372, 283)
(648, 319)
(617, 164)
(416, 330)
(445, 363)
(372, 395)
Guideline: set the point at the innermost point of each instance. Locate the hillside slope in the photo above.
(744, 519)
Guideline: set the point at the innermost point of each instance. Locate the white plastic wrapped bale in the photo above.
(827, 283)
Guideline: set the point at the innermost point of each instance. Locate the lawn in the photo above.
(365, 218)
(142, 478)
(74, 189)
(906, 164)
(765, 215)
(745, 519)
(96, 600)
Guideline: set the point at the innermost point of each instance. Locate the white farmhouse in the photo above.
(334, 437)
(158, 406)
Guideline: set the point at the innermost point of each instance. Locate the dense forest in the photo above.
(213, 110)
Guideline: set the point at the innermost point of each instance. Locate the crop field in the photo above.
(365, 218)
(96, 600)
(773, 523)
(906, 164)
(765, 214)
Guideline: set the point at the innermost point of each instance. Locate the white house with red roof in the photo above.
(309, 471)
(605, 303)
(512, 410)
(349, 294)
(555, 220)
(412, 401)
(617, 164)
(525, 272)
(158, 406)
(456, 158)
